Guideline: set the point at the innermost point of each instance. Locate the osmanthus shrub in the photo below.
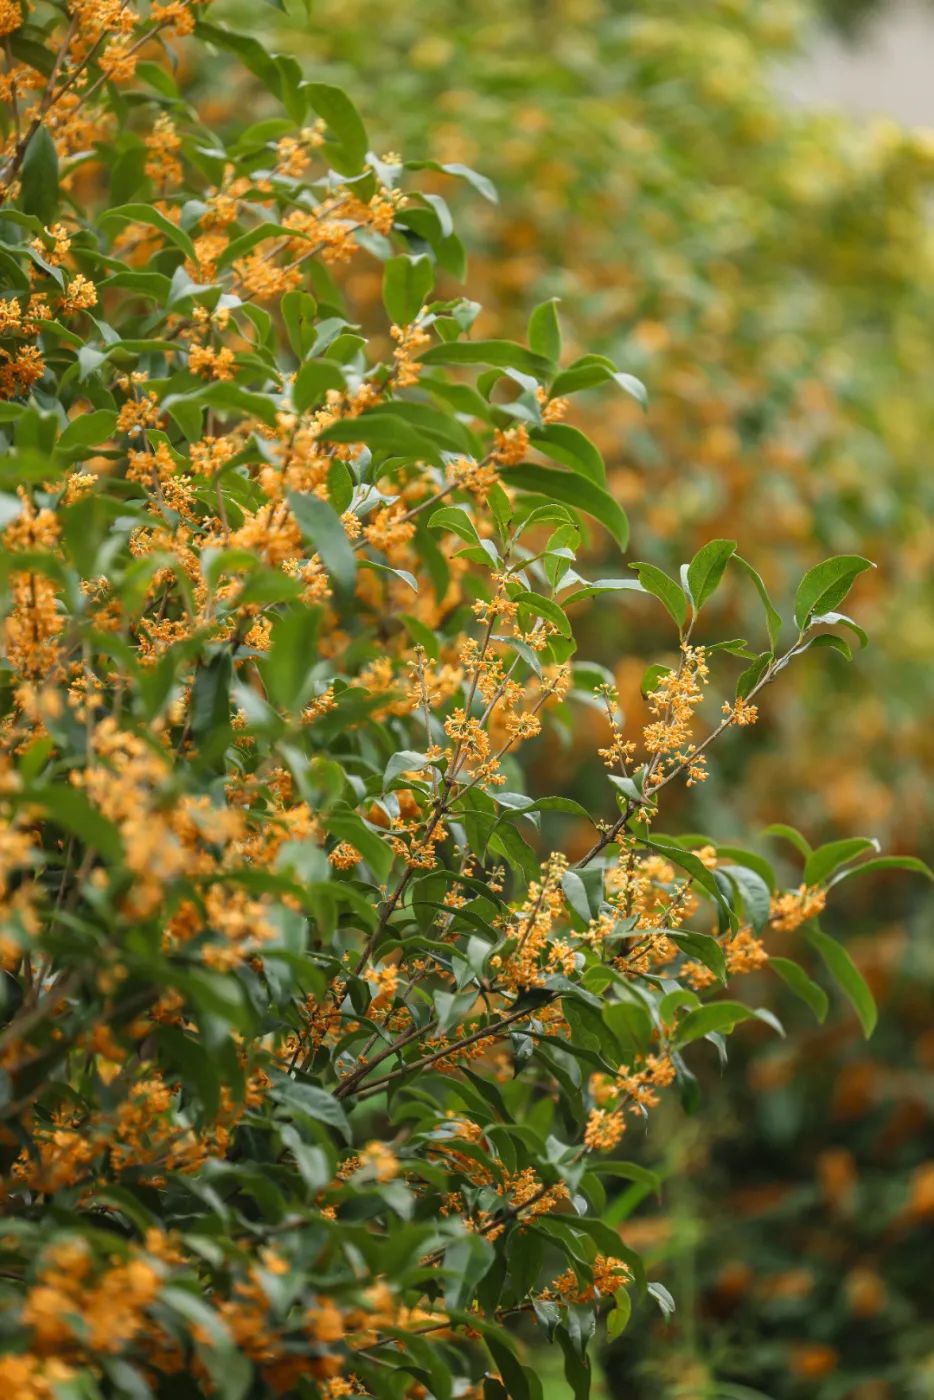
(318, 1052)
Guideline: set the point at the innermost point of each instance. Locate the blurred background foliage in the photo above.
(769, 273)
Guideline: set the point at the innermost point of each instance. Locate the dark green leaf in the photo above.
(826, 859)
(847, 976)
(657, 582)
(717, 1016)
(348, 147)
(773, 619)
(574, 491)
(407, 282)
(912, 863)
(706, 569)
(801, 984)
(39, 177)
(571, 448)
(322, 529)
(87, 430)
(312, 382)
(826, 585)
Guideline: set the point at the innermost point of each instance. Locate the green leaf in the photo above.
(465, 1263)
(407, 282)
(657, 582)
(576, 894)
(157, 78)
(299, 312)
(442, 427)
(521, 1383)
(348, 146)
(39, 177)
(716, 1016)
(577, 1367)
(826, 859)
(911, 863)
(210, 696)
(506, 841)
(629, 1171)
(788, 833)
(501, 354)
(754, 892)
(187, 408)
(706, 569)
(773, 620)
(662, 1297)
(291, 656)
(617, 1320)
(87, 430)
(749, 678)
(480, 183)
(322, 529)
(384, 432)
(809, 991)
(847, 976)
(266, 66)
(519, 802)
(313, 381)
(571, 448)
(630, 1025)
(696, 869)
(546, 608)
(146, 214)
(301, 1097)
(405, 761)
(826, 585)
(704, 948)
(833, 619)
(601, 586)
(457, 520)
(831, 640)
(574, 491)
(752, 861)
(544, 333)
(590, 371)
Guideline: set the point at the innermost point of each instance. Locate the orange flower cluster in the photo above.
(674, 701)
(793, 908)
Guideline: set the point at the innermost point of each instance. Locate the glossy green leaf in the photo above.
(574, 491)
(826, 585)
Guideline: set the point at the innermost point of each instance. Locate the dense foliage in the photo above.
(321, 1033)
(767, 271)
